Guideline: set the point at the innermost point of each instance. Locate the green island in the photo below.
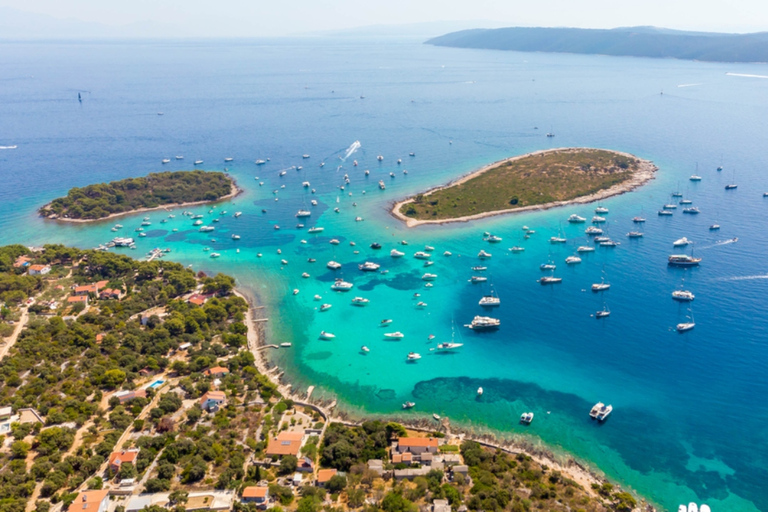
(534, 181)
(140, 386)
(156, 190)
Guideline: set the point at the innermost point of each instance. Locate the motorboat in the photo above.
(305, 275)
(480, 391)
(364, 349)
(421, 305)
(326, 335)
(516, 249)
(179, 157)
(683, 260)
(638, 220)
(386, 321)
(600, 411)
(547, 266)
(557, 240)
(215, 255)
(692, 210)
(207, 229)
(477, 279)
(360, 301)
(732, 186)
(334, 241)
(601, 209)
(572, 260)
(609, 243)
(663, 213)
(396, 254)
(295, 291)
(436, 416)
(670, 206)
(479, 269)
(428, 248)
(601, 286)
(283, 262)
(382, 186)
(447, 253)
(305, 156)
(686, 201)
(714, 227)
(260, 162)
(490, 301)
(585, 248)
(526, 418)
(449, 345)
(333, 265)
(341, 286)
(409, 405)
(493, 239)
(369, 266)
(325, 307)
(681, 242)
(421, 255)
(198, 162)
(303, 213)
(484, 255)
(375, 245)
(380, 158)
(315, 229)
(598, 219)
(413, 356)
(635, 234)
(550, 280)
(235, 237)
(429, 277)
(695, 177)
(165, 161)
(228, 159)
(683, 295)
(394, 335)
(575, 219)
(592, 230)
(484, 323)
(286, 344)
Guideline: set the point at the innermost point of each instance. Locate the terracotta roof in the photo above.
(78, 298)
(417, 442)
(88, 501)
(286, 443)
(213, 395)
(216, 370)
(255, 492)
(407, 457)
(87, 288)
(37, 267)
(324, 475)
(123, 457)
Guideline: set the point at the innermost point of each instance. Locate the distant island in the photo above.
(540, 180)
(631, 42)
(156, 190)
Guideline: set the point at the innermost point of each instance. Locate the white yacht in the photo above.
(369, 266)
(600, 411)
(670, 206)
(360, 301)
(235, 237)
(480, 391)
(206, 229)
(429, 277)
(397, 335)
(305, 275)
(315, 229)
(303, 213)
(483, 323)
(592, 230)
(166, 161)
(601, 286)
(550, 280)
(179, 157)
(325, 307)
(667, 213)
(484, 255)
(681, 242)
(695, 177)
(526, 418)
(326, 335)
(516, 249)
(421, 255)
(477, 279)
(396, 254)
(260, 162)
(341, 286)
(198, 162)
(575, 219)
(364, 349)
(493, 239)
(197, 223)
(448, 345)
(585, 248)
(333, 265)
(490, 301)
(547, 266)
(598, 220)
(685, 326)
(557, 240)
(447, 253)
(683, 295)
(601, 209)
(635, 234)
(413, 356)
(572, 260)
(428, 248)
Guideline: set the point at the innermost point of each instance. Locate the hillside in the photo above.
(633, 42)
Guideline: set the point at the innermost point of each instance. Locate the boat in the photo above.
(480, 391)
(592, 230)
(526, 418)
(341, 286)
(557, 240)
(369, 266)
(479, 269)
(638, 220)
(483, 323)
(447, 253)
(305, 156)
(283, 262)
(364, 349)
(731, 186)
(609, 243)
(686, 201)
(683, 260)
(683, 295)
(179, 157)
(635, 234)
(572, 260)
(394, 335)
(575, 219)
(421, 255)
(516, 249)
(603, 313)
(396, 254)
(585, 248)
(165, 161)
(692, 507)
(436, 416)
(490, 301)
(598, 219)
(260, 162)
(421, 305)
(550, 280)
(235, 237)
(670, 206)
(547, 266)
(295, 291)
(313, 202)
(286, 344)
(600, 411)
(449, 345)
(386, 321)
(228, 159)
(360, 301)
(303, 213)
(409, 405)
(601, 286)
(704, 508)
(198, 162)
(484, 255)
(601, 209)
(325, 307)
(493, 239)
(695, 177)
(326, 335)
(428, 248)
(665, 213)
(477, 279)
(681, 242)
(334, 241)
(413, 356)
(379, 158)
(305, 275)
(315, 229)
(686, 326)
(382, 186)
(429, 277)
(692, 210)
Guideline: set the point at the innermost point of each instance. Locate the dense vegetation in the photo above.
(633, 41)
(535, 179)
(157, 189)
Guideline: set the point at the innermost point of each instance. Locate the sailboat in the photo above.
(732, 185)
(491, 300)
(603, 312)
(686, 326)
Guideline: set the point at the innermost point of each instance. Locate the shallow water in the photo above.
(689, 410)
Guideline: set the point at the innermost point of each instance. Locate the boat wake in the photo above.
(8, 147)
(744, 75)
(719, 243)
(743, 278)
(351, 149)
(688, 85)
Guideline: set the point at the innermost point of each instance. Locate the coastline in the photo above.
(234, 192)
(644, 174)
(581, 472)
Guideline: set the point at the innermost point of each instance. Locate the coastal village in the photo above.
(130, 386)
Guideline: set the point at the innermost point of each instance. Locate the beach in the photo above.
(642, 176)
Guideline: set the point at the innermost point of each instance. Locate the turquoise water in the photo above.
(689, 410)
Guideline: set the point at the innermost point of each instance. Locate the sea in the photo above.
(690, 411)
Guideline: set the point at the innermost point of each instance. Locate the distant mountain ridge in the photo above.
(627, 41)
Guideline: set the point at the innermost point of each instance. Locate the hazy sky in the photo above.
(287, 17)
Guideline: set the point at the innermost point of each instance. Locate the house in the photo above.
(305, 465)
(38, 270)
(127, 396)
(197, 299)
(185, 346)
(324, 476)
(402, 458)
(6, 413)
(410, 474)
(286, 443)
(90, 501)
(212, 400)
(77, 299)
(417, 445)
(377, 466)
(257, 495)
(441, 506)
(216, 371)
(110, 293)
(21, 261)
(461, 469)
(296, 480)
(451, 459)
(86, 289)
(117, 459)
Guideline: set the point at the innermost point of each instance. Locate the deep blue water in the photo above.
(690, 410)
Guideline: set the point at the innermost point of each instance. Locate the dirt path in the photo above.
(16, 332)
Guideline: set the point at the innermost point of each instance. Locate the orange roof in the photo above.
(286, 443)
(88, 501)
(325, 474)
(37, 267)
(417, 442)
(255, 492)
(123, 457)
(397, 458)
(216, 370)
(102, 284)
(213, 395)
(407, 457)
(78, 298)
(87, 288)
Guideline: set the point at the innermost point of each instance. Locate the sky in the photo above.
(259, 18)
